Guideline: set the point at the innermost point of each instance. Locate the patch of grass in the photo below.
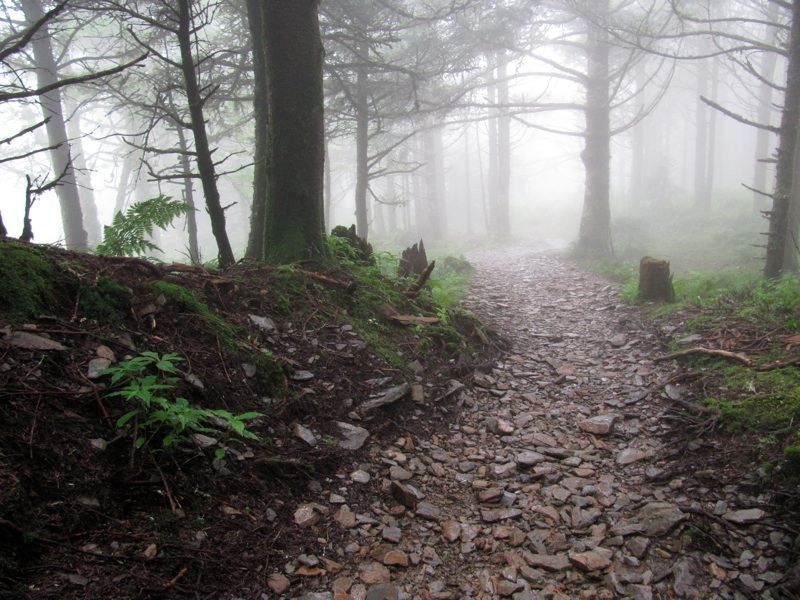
(760, 401)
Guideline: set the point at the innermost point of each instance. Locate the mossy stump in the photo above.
(655, 281)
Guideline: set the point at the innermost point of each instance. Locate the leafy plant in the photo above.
(158, 412)
(128, 233)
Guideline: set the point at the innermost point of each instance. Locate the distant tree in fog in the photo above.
(28, 48)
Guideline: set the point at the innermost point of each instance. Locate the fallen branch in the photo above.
(708, 352)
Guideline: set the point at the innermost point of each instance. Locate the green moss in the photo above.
(104, 300)
(791, 455)
(269, 373)
(27, 277)
(183, 299)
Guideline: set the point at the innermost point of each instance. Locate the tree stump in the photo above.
(655, 281)
(363, 247)
(414, 261)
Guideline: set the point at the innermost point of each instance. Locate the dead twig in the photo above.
(707, 352)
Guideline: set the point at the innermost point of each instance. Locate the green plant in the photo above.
(128, 233)
(173, 417)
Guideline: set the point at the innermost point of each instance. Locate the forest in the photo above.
(593, 123)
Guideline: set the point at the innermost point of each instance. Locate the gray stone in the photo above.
(426, 510)
(96, 365)
(529, 458)
(382, 591)
(354, 436)
(659, 518)
(743, 517)
(600, 425)
(548, 562)
(305, 434)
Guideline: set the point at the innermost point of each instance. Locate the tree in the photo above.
(293, 222)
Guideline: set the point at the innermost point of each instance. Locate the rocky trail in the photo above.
(565, 473)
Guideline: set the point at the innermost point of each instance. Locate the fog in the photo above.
(660, 174)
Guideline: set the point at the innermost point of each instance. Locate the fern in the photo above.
(127, 235)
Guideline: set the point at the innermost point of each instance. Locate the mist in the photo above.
(458, 126)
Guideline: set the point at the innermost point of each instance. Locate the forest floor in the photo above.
(574, 464)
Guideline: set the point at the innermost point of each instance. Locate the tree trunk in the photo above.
(594, 236)
(188, 197)
(502, 200)
(362, 149)
(764, 138)
(781, 198)
(202, 148)
(75, 237)
(83, 178)
(701, 201)
(492, 169)
(328, 189)
(295, 211)
(431, 227)
(255, 241)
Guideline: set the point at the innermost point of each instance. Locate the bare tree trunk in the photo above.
(296, 158)
(492, 169)
(431, 225)
(328, 189)
(502, 200)
(701, 201)
(255, 241)
(202, 148)
(638, 146)
(188, 197)
(75, 237)
(362, 149)
(784, 171)
(594, 236)
(83, 176)
(764, 138)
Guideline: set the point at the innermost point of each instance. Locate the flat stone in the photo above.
(308, 515)
(264, 323)
(589, 561)
(382, 591)
(529, 458)
(631, 455)
(426, 510)
(406, 494)
(500, 514)
(374, 573)
(399, 473)
(745, 516)
(548, 562)
(360, 476)
(600, 425)
(31, 341)
(396, 558)
(505, 588)
(659, 518)
(392, 534)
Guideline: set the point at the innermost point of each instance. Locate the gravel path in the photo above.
(560, 478)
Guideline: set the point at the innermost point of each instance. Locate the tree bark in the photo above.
(83, 178)
(784, 170)
(594, 236)
(765, 109)
(75, 236)
(295, 212)
(255, 241)
(362, 148)
(202, 148)
(502, 200)
(701, 200)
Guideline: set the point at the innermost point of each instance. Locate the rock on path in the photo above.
(554, 482)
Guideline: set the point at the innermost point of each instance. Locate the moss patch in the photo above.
(27, 281)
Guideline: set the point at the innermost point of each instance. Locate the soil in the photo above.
(529, 470)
